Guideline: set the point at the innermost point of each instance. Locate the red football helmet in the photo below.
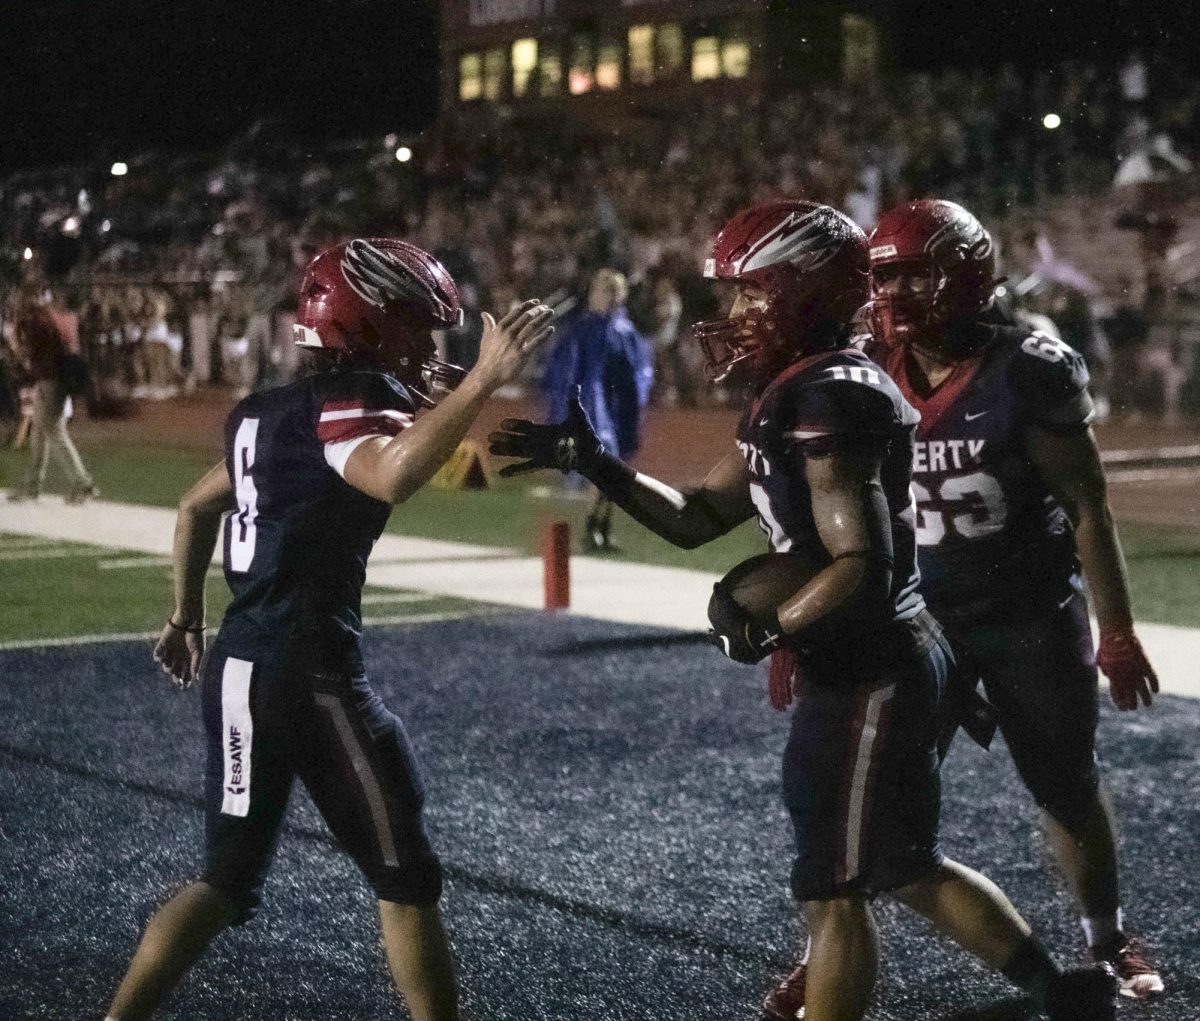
(381, 298)
(943, 242)
(811, 262)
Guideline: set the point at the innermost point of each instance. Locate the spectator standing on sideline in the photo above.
(43, 338)
(602, 352)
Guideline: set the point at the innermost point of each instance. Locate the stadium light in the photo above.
(404, 154)
(28, 253)
(1051, 121)
(120, 169)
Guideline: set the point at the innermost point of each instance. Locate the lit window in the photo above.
(524, 60)
(669, 40)
(608, 67)
(706, 58)
(470, 77)
(735, 57)
(641, 54)
(495, 68)
(582, 62)
(549, 74)
(860, 48)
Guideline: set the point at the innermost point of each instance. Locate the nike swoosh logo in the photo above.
(978, 414)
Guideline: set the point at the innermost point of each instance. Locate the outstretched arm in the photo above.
(197, 525)
(1070, 467)
(392, 468)
(686, 520)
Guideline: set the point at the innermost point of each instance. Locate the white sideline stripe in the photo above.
(57, 643)
(15, 543)
(1150, 454)
(147, 636)
(48, 553)
(375, 598)
(125, 563)
(623, 592)
(1182, 475)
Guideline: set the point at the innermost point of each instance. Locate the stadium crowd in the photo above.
(182, 268)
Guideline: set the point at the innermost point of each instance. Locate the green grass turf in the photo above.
(1164, 563)
(40, 581)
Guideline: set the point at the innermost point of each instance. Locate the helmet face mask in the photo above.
(801, 268)
(730, 342)
(943, 246)
(380, 299)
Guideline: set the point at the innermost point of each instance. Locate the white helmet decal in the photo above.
(379, 276)
(974, 241)
(802, 239)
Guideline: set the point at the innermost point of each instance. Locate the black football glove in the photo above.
(735, 632)
(569, 445)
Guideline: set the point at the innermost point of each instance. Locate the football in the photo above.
(760, 584)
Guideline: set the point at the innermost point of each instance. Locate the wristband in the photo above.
(187, 630)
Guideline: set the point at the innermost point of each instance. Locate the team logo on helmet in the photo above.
(965, 235)
(379, 277)
(803, 239)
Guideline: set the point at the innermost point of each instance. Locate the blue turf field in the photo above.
(606, 802)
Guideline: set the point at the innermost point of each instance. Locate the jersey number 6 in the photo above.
(241, 527)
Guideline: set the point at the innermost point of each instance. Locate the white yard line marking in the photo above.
(146, 636)
(54, 643)
(1150, 454)
(1186, 476)
(15, 542)
(419, 618)
(126, 563)
(50, 553)
(375, 598)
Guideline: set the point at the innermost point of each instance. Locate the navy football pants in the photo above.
(860, 772)
(336, 735)
(1041, 677)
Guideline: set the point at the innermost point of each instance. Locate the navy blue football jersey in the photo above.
(993, 543)
(296, 548)
(829, 401)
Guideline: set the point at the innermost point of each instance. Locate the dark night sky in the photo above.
(90, 80)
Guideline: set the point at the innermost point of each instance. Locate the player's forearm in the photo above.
(1103, 565)
(854, 524)
(684, 520)
(196, 532)
(411, 459)
(851, 586)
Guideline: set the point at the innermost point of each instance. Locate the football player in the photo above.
(311, 472)
(824, 459)
(1010, 499)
